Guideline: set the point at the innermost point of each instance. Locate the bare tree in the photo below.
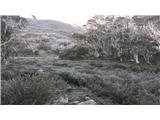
(9, 25)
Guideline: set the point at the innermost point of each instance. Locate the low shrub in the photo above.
(121, 90)
(31, 89)
(78, 36)
(44, 46)
(78, 52)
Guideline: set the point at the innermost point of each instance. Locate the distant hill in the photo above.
(52, 26)
(43, 37)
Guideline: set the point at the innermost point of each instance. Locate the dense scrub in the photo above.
(29, 88)
(110, 82)
(100, 65)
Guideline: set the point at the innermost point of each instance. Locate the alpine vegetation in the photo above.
(111, 60)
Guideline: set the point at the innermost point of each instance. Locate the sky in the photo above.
(76, 11)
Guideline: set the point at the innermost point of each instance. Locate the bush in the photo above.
(78, 36)
(78, 52)
(26, 52)
(31, 89)
(122, 87)
(44, 46)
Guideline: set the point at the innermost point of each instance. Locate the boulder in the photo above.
(75, 102)
(88, 102)
(62, 100)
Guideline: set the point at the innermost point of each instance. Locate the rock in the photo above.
(40, 71)
(88, 102)
(63, 100)
(69, 87)
(75, 102)
(114, 77)
(87, 98)
(158, 90)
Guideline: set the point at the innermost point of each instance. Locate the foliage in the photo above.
(123, 38)
(31, 89)
(9, 25)
(77, 52)
(121, 86)
(121, 83)
(78, 36)
(44, 46)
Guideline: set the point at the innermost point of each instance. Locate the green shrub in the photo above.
(78, 36)
(31, 89)
(124, 89)
(78, 52)
(44, 46)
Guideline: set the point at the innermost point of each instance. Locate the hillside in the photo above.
(113, 60)
(42, 37)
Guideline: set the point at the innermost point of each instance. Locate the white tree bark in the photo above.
(136, 58)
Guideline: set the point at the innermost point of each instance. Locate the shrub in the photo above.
(44, 46)
(78, 52)
(26, 52)
(122, 88)
(31, 89)
(78, 36)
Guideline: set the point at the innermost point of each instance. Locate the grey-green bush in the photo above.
(31, 89)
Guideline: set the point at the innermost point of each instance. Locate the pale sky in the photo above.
(76, 11)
